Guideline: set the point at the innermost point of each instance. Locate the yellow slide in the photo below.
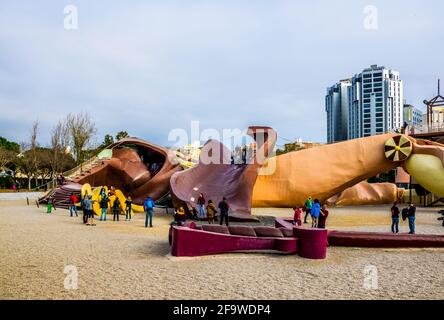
(88, 190)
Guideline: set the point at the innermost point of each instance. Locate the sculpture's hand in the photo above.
(423, 160)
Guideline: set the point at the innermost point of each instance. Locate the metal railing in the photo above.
(79, 169)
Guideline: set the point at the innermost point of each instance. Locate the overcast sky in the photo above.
(151, 66)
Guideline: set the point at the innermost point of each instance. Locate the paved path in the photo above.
(20, 195)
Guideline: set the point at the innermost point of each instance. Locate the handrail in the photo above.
(53, 183)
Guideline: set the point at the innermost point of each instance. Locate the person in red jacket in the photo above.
(297, 216)
(72, 204)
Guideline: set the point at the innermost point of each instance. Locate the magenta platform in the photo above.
(192, 240)
(384, 240)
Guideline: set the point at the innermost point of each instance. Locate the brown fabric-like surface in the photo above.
(268, 232)
(215, 228)
(242, 231)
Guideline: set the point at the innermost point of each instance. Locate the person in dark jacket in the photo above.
(83, 206)
(128, 208)
(224, 208)
(412, 217)
(395, 218)
(104, 207)
(323, 216)
(116, 209)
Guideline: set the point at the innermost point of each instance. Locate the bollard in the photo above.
(27, 200)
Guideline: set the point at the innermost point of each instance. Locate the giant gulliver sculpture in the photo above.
(140, 168)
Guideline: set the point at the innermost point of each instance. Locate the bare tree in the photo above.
(81, 129)
(33, 150)
(60, 139)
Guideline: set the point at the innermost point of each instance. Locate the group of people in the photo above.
(87, 206)
(208, 210)
(317, 212)
(407, 213)
(243, 155)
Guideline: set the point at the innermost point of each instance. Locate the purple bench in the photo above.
(213, 239)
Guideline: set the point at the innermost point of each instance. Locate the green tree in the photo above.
(121, 134)
(9, 145)
(107, 140)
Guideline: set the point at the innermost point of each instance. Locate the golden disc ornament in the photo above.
(398, 148)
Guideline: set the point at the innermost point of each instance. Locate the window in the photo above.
(379, 94)
(366, 115)
(378, 90)
(367, 80)
(366, 76)
(379, 104)
(367, 85)
(367, 90)
(367, 126)
(366, 96)
(366, 100)
(366, 120)
(379, 74)
(379, 130)
(378, 109)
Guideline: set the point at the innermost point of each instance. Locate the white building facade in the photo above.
(375, 101)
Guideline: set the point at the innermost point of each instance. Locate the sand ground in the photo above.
(124, 260)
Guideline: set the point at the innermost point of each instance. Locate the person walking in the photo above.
(72, 204)
(224, 208)
(103, 207)
(315, 212)
(128, 208)
(211, 211)
(116, 209)
(297, 216)
(148, 206)
(201, 205)
(412, 217)
(395, 217)
(18, 186)
(308, 204)
(323, 217)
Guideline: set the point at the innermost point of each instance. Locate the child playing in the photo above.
(50, 205)
(211, 211)
(181, 216)
(297, 216)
